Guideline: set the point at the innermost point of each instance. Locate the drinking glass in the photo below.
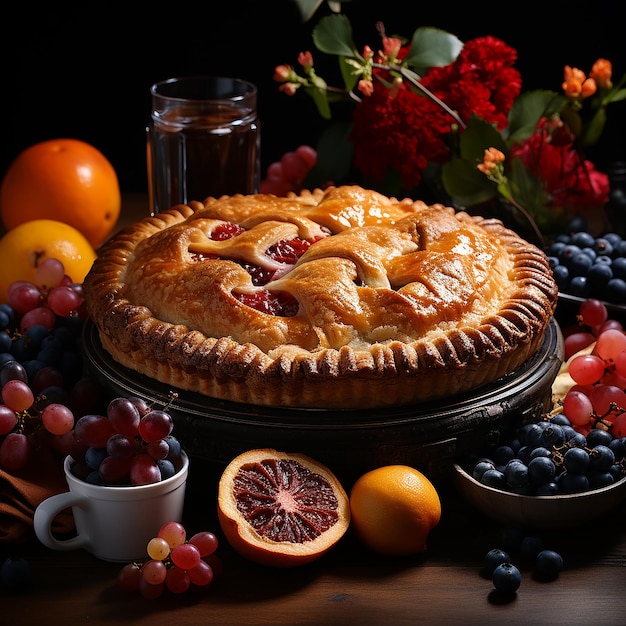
(204, 140)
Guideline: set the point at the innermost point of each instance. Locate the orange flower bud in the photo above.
(391, 47)
(366, 87)
(306, 60)
(368, 53)
(493, 155)
(588, 88)
(602, 72)
(486, 168)
(573, 81)
(288, 89)
(282, 73)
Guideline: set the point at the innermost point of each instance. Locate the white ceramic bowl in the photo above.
(541, 512)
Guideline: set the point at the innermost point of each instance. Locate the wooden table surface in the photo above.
(350, 585)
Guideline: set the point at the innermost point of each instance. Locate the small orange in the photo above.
(25, 246)
(280, 509)
(394, 508)
(66, 180)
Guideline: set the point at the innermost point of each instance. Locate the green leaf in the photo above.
(432, 47)
(572, 118)
(465, 184)
(477, 137)
(320, 97)
(593, 129)
(528, 109)
(334, 153)
(333, 35)
(615, 96)
(307, 8)
(526, 188)
(350, 79)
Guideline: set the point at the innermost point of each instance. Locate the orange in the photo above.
(25, 246)
(65, 180)
(281, 509)
(394, 508)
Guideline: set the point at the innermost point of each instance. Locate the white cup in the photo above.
(112, 523)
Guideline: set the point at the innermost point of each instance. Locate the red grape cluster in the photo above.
(289, 173)
(42, 385)
(596, 349)
(175, 563)
(132, 444)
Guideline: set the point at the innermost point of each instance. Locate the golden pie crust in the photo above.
(396, 302)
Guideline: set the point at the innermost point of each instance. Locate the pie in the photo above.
(340, 298)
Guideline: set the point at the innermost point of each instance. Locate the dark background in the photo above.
(86, 73)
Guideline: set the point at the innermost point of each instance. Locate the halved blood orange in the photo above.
(281, 509)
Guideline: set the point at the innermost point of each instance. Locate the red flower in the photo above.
(570, 181)
(407, 131)
(482, 80)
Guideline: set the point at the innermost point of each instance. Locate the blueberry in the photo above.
(539, 452)
(480, 467)
(573, 483)
(547, 489)
(503, 454)
(568, 253)
(8, 309)
(580, 264)
(5, 340)
(561, 276)
(603, 259)
(619, 267)
(506, 578)
(613, 238)
(600, 478)
(541, 470)
(616, 291)
(175, 448)
(601, 458)
(493, 558)
(555, 248)
(16, 574)
(516, 473)
(599, 274)
(619, 448)
(553, 435)
(548, 565)
(167, 468)
(531, 434)
(576, 460)
(603, 246)
(511, 538)
(578, 287)
(561, 419)
(577, 224)
(95, 456)
(590, 252)
(583, 239)
(620, 249)
(598, 436)
(493, 478)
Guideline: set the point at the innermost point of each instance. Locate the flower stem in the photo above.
(414, 80)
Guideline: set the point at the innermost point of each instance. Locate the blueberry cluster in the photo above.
(590, 267)
(507, 577)
(550, 457)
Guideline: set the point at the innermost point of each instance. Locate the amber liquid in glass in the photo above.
(192, 157)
